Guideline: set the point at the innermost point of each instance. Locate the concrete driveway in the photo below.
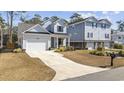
(64, 67)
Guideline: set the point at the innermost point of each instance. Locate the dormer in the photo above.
(91, 21)
(104, 23)
(60, 26)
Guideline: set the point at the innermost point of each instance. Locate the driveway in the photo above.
(64, 67)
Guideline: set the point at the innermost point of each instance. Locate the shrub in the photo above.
(100, 49)
(18, 50)
(108, 53)
(93, 52)
(98, 53)
(121, 53)
(118, 46)
(70, 48)
(63, 49)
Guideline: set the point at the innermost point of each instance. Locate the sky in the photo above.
(112, 16)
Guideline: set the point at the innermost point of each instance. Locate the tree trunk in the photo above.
(11, 25)
(1, 38)
(10, 43)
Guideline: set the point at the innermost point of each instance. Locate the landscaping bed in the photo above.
(83, 57)
(19, 66)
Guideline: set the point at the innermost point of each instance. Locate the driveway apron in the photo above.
(64, 67)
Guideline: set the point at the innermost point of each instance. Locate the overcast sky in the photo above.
(113, 16)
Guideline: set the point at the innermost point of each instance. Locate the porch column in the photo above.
(64, 42)
(68, 41)
(57, 42)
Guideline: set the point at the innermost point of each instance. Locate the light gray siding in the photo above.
(76, 32)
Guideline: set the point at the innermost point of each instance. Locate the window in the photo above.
(103, 26)
(59, 28)
(94, 24)
(119, 37)
(106, 35)
(88, 35)
(91, 35)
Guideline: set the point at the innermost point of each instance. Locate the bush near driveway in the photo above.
(18, 50)
(63, 49)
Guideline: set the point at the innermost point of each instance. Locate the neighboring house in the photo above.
(51, 34)
(90, 33)
(118, 37)
(1, 39)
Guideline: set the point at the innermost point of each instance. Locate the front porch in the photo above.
(59, 40)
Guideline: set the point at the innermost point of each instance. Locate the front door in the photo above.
(60, 42)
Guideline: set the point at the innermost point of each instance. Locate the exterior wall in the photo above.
(115, 38)
(58, 24)
(79, 34)
(21, 28)
(52, 26)
(37, 37)
(98, 33)
(107, 45)
(90, 45)
(76, 32)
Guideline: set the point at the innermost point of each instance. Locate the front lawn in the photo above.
(19, 66)
(83, 57)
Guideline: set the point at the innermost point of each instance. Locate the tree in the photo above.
(37, 19)
(46, 18)
(2, 25)
(75, 17)
(10, 18)
(120, 25)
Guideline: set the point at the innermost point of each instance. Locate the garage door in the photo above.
(35, 46)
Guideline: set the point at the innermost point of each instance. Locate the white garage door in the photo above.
(35, 46)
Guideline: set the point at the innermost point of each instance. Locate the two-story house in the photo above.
(36, 38)
(118, 37)
(90, 33)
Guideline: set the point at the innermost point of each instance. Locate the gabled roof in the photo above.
(91, 17)
(104, 20)
(31, 29)
(24, 26)
(94, 19)
(63, 21)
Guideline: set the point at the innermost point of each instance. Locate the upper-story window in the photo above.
(106, 35)
(89, 35)
(59, 28)
(94, 24)
(103, 26)
(119, 37)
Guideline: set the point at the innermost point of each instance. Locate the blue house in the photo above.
(89, 33)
